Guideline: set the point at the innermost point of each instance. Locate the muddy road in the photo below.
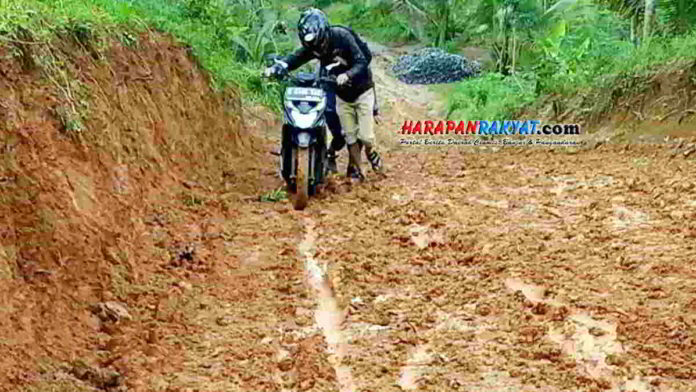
(522, 269)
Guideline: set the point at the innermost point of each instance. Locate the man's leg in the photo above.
(349, 121)
(334, 124)
(365, 104)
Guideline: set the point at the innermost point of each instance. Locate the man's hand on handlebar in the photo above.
(276, 69)
(328, 79)
(342, 79)
(271, 71)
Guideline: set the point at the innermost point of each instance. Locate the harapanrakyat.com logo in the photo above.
(487, 128)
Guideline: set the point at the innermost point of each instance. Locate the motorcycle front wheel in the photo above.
(301, 195)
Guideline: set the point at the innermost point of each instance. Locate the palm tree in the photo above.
(634, 8)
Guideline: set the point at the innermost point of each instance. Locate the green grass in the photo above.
(42, 20)
(597, 76)
(489, 97)
(209, 39)
(274, 196)
(601, 69)
(660, 51)
(214, 37)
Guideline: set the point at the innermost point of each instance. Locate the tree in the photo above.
(647, 20)
(504, 18)
(440, 13)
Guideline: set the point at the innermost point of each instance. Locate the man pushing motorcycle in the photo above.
(340, 54)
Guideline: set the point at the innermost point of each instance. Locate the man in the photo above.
(337, 47)
(333, 122)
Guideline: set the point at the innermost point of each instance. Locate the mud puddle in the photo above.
(328, 315)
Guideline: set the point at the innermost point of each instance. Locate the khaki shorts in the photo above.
(357, 118)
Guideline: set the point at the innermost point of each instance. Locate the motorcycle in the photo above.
(303, 159)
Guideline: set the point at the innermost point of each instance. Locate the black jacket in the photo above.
(341, 47)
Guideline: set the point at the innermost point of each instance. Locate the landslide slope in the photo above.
(101, 152)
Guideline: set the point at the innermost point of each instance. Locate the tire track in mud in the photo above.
(328, 315)
(412, 372)
(247, 324)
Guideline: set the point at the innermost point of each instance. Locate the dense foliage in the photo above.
(538, 47)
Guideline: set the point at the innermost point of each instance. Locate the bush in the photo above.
(590, 52)
(229, 39)
(376, 22)
(490, 97)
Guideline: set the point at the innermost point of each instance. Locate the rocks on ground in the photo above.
(111, 311)
(433, 66)
(104, 379)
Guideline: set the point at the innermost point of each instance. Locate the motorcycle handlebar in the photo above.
(331, 80)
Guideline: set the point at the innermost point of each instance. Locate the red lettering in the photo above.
(450, 126)
(471, 128)
(429, 127)
(406, 128)
(460, 128)
(440, 128)
(417, 128)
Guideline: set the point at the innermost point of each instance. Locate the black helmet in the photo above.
(313, 29)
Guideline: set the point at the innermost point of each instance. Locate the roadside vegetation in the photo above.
(540, 48)
(230, 39)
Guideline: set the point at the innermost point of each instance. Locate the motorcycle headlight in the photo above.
(304, 120)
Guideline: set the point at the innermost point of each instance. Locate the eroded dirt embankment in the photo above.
(95, 215)
(645, 107)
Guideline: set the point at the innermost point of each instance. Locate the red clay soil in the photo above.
(89, 216)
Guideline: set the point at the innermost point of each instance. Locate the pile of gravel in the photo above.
(433, 66)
